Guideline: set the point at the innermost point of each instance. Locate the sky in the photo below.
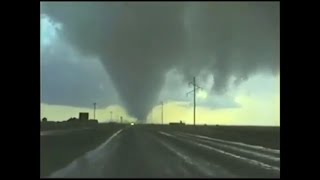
(73, 77)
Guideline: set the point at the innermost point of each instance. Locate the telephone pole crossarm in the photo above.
(194, 91)
(189, 92)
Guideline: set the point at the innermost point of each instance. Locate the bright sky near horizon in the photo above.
(71, 82)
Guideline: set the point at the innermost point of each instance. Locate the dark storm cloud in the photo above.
(175, 89)
(67, 79)
(134, 41)
(238, 38)
(139, 42)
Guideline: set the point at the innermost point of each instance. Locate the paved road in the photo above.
(137, 151)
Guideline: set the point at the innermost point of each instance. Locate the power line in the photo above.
(195, 88)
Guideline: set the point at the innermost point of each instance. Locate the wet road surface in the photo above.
(60, 132)
(139, 152)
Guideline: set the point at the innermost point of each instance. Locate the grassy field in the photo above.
(255, 135)
(60, 150)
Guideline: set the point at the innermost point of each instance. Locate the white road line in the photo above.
(92, 153)
(204, 167)
(250, 161)
(235, 148)
(90, 158)
(185, 158)
(166, 134)
(276, 151)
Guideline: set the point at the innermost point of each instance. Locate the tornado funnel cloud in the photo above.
(139, 42)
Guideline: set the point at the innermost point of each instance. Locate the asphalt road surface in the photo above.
(140, 152)
(60, 132)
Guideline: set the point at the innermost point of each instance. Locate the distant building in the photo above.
(83, 116)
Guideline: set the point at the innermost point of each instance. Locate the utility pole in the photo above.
(161, 112)
(94, 110)
(194, 101)
(195, 87)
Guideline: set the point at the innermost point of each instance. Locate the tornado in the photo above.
(139, 42)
